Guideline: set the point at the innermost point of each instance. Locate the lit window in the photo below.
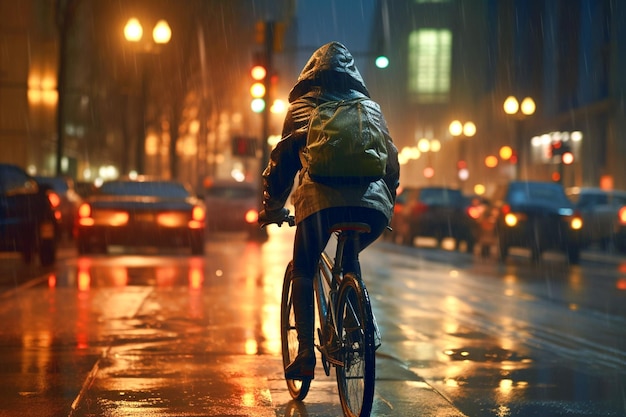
(430, 53)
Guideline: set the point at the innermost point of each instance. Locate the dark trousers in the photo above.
(312, 235)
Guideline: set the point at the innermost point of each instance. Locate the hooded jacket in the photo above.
(330, 74)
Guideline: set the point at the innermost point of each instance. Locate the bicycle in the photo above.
(348, 334)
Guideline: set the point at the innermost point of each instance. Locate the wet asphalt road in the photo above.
(148, 333)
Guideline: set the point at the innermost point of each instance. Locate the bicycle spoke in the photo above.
(356, 377)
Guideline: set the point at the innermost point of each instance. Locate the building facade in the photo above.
(461, 59)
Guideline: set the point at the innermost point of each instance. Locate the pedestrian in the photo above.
(330, 76)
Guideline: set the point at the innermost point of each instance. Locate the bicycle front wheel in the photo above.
(355, 327)
(298, 389)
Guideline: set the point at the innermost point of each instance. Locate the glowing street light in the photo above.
(464, 131)
(133, 31)
(512, 107)
(161, 34)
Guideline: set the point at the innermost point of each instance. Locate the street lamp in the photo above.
(463, 131)
(519, 111)
(161, 34)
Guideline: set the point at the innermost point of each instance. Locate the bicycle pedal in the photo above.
(329, 355)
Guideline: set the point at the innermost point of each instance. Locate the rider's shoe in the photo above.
(303, 366)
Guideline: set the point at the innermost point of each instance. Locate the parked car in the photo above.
(435, 212)
(142, 212)
(28, 220)
(232, 206)
(600, 210)
(536, 215)
(70, 200)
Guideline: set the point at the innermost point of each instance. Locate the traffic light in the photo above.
(244, 146)
(462, 171)
(258, 72)
(563, 150)
(382, 62)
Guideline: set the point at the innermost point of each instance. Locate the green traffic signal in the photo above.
(382, 62)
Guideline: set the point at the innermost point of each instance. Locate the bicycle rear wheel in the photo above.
(355, 327)
(289, 338)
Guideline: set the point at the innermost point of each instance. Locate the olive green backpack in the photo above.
(346, 143)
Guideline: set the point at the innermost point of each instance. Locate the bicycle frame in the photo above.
(326, 284)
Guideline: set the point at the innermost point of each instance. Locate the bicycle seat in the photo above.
(356, 226)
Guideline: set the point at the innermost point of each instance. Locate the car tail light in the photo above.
(54, 199)
(621, 215)
(474, 212)
(252, 216)
(197, 218)
(119, 218)
(198, 213)
(419, 208)
(171, 219)
(84, 215)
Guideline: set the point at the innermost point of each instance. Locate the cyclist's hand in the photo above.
(274, 216)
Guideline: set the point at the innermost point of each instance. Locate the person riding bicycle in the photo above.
(329, 75)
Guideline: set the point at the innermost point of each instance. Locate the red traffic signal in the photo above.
(244, 146)
(563, 150)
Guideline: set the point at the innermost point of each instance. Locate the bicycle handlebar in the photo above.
(290, 219)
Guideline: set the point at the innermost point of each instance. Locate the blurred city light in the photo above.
(161, 32)
(456, 128)
(469, 129)
(382, 62)
(257, 105)
(278, 106)
(511, 105)
(258, 72)
(479, 189)
(528, 106)
(133, 31)
(506, 152)
(491, 161)
(257, 90)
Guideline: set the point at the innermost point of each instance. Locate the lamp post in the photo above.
(133, 33)
(519, 111)
(428, 147)
(464, 131)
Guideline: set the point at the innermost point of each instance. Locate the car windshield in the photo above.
(591, 200)
(162, 189)
(549, 194)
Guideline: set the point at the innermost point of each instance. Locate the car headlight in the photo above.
(252, 216)
(576, 223)
(510, 219)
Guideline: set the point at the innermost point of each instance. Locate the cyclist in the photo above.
(329, 75)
